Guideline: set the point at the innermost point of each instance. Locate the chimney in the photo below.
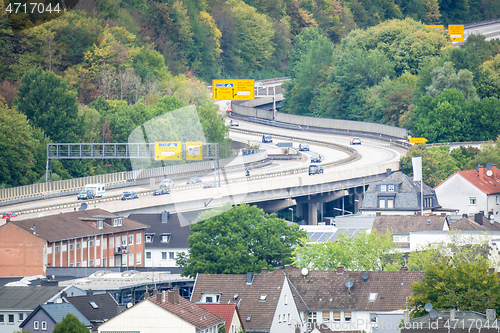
(340, 269)
(146, 295)
(403, 269)
(164, 216)
(491, 315)
(481, 172)
(419, 213)
(378, 214)
(443, 214)
(406, 317)
(264, 270)
(158, 297)
(65, 294)
(155, 292)
(90, 292)
(478, 218)
(452, 315)
(176, 296)
(173, 296)
(388, 172)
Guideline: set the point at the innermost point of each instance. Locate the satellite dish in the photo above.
(489, 173)
(83, 206)
(488, 166)
(433, 314)
(365, 276)
(129, 305)
(304, 271)
(428, 307)
(349, 284)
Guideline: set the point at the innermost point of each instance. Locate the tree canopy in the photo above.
(239, 240)
(70, 324)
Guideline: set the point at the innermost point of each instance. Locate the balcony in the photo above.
(121, 250)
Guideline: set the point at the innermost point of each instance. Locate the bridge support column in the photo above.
(312, 214)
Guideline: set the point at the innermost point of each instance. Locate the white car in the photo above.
(355, 141)
(234, 123)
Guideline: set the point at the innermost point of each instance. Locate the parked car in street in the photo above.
(85, 195)
(316, 158)
(355, 141)
(161, 191)
(8, 215)
(303, 147)
(194, 180)
(315, 169)
(129, 195)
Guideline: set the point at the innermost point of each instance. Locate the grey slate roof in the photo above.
(107, 307)
(57, 312)
(177, 226)
(406, 196)
(26, 297)
(404, 224)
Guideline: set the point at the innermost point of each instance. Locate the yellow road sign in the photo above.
(435, 26)
(418, 140)
(168, 150)
(233, 89)
(456, 33)
(194, 150)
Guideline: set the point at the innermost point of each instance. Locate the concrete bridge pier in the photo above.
(313, 203)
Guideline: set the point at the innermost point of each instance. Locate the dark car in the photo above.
(8, 215)
(209, 185)
(315, 169)
(316, 158)
(85, 194)
(266, 138)
(303, 147)
(128, 195)
(194, 180)
(161, 191)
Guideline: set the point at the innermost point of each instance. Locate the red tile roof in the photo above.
(225, 311)
(190, 312)
(69, 225)
(480, 179)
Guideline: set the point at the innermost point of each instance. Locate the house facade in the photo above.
(229, 313)
(398, 194)
(165, 237)
(46, 316)
(472, 191)
(265, 301)
(164, 312)
(93, 238)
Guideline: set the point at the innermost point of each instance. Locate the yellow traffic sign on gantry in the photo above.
(168, 150)
(194, 151)
(441, 27)
(456, 33)
(233, 89)
(418, 140)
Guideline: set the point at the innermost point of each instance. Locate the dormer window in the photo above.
(262, 297)
(383, 188)
(391, 188)
(372, 297)
(100, 224)
(165, 238)
(117, 222)
(149, 238)
(211, 298)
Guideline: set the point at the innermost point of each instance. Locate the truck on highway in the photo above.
(98, 189)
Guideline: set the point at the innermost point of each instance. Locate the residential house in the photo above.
(398, 194)
(472, 191)
(265, 301)
(402, 226)
(164, 312)
(90, 238)
(351, 301)
(46, 316)
(229, 313)
(453, 321)
(96, 308)
(165, 237)
(16, 303)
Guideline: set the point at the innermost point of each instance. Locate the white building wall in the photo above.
(146, 317)
(157, 257)
(456, 192)
(423, 238)
(286, 315)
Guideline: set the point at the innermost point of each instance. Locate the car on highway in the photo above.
(9, 215)
(234, 122)
(209, 185)
(355, 141)
(193, 180)
(303, 147)
(161, 191)
(167, 183)
(316, 158)
(315, 169)
(266, 138)
(85, 195)
(129, 195)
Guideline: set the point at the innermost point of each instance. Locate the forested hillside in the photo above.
(105, 67)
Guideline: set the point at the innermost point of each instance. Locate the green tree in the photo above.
(70, 324)
(361, 251)
(446, 77)
(467, 286)
(239, 240)
(44, 98)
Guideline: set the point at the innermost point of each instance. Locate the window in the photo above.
(117, 221)
(347, 316)
(2, 318)
(373, 317)
(104, 262)
(279, 318)
(428, 202)
(383, 188)
(286, 299)
(11, 318)
(21, 316)
(100, 224)
(71, 247)
(149, 238)
(212, 298)
(386, 203)
(93, 304)
(130, 239)
(124, 241)
(78, 264)
(44, 325)
(138, 238)
(472, 201)
(390, 203)
(312, 317)
(164, 255)
(148, 255)
(91, 243)
(497, 198)
(336, 316)
(326, 316)
(77, 245)
(165, 238)
(391, 188)
(284, 318)
(138, 258)
(171, 255)
(372, 297)
(57, 249)
(91, 263)
(131, 259)
(36, 325)
(262, 297)
(209, 299)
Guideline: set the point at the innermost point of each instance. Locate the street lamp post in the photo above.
(291, 208)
